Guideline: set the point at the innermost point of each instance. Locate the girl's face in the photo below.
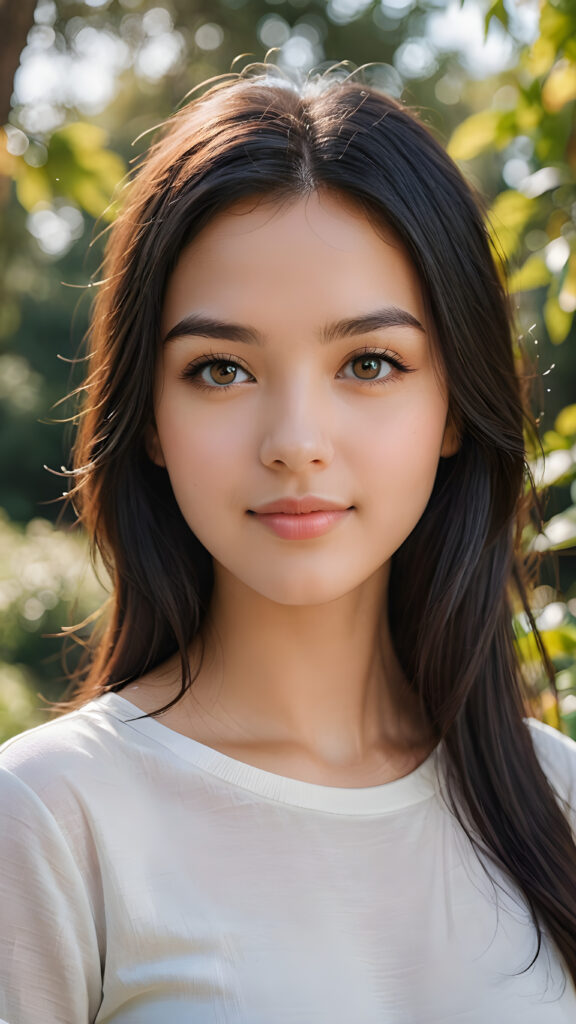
(295, 400)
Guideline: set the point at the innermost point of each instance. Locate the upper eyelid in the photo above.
(192, 369)
(216, 357)
(207, 359)
(386, 354)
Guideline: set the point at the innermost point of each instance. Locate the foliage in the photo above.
(534, 223)
(64, 156)
(45, 579)
(77, 166)
(533, 226)
(555, 613)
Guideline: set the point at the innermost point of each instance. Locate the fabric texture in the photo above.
(146, 878)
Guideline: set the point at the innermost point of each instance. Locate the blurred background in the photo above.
(81, 87)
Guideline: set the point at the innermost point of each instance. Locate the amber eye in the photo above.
(223, 373)
(367, 367)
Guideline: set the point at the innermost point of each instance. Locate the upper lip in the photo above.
(299, 506)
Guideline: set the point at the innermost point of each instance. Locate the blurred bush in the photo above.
(46, 584)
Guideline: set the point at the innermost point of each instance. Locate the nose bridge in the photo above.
(296, 425)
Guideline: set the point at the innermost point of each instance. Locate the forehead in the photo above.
(286, 261)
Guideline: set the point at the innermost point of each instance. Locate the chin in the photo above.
(303, 591)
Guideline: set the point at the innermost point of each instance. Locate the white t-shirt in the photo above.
(148, 879)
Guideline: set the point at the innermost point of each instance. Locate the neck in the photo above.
(321, 679)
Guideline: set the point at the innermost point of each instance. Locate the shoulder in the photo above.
(59, 738)
(61, 757)
(41, 817)
(557, 756)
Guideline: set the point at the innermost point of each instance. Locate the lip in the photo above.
(300, 506)
(301, 518)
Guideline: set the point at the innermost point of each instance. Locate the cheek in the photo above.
(398, 459)
(180, 422)
(404, 435)
(202, 452)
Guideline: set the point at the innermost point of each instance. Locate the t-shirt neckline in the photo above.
(418, 785)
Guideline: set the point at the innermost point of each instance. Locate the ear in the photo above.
(153, 446)
(451, 441)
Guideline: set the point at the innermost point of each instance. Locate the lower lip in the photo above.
(301, 527)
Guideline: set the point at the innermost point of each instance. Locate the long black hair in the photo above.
(455, 578)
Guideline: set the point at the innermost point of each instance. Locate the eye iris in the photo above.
(219, 371)
(369, 366)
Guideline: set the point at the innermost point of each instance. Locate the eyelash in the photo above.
(193, 369)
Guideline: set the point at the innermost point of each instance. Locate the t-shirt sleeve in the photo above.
(49, 957)
(557, 756)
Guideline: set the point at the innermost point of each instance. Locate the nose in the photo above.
(296, 432)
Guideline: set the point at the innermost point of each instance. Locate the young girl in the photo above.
(300, 782)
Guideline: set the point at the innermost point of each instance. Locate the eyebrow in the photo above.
(196, 324)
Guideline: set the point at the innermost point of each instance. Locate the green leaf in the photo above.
(475, 134)
(558, 321)
(496, 10)
(507, 219)
(560, 87)
(565, 422)
(567, 293)
(540, 57)
(552, 441)
(555, 25)
(87, 170)
(558, 643)
(512, 208)
(32, 187)
(78, 167)
(533, 274)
